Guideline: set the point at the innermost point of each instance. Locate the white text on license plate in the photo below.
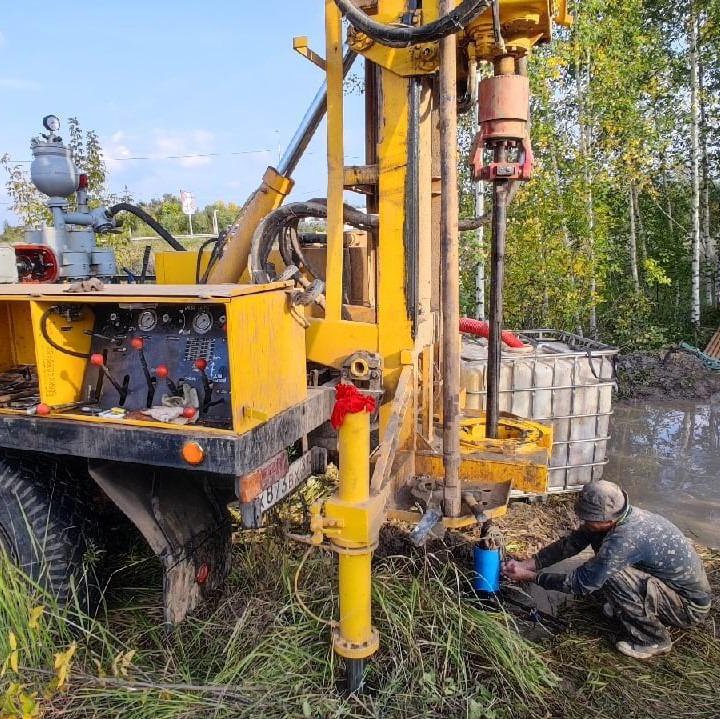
(298, 472)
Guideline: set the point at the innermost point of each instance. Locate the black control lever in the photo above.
(201, 366)
(98, 360)
(139, 344)
(162, 372)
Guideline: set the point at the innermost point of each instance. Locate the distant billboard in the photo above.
(187, 199)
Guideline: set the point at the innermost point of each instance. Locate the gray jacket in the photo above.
(642, 540)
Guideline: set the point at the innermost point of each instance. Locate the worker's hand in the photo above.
(520, 571)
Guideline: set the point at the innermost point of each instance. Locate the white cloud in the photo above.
(190, 148)
(116, 151)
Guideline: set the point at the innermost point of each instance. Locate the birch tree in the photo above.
(694, 168)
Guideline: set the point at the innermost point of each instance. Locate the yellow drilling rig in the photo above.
(217, 382)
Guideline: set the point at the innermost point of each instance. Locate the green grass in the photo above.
(253, 652)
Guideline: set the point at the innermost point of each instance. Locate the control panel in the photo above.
(144, 354)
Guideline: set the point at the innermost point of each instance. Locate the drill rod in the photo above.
(497, 273)
(450, 269)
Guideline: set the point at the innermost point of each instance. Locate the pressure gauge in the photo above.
(147, 320)
(202, 322)
(51, 123)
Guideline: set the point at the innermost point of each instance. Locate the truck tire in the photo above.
(46, 528)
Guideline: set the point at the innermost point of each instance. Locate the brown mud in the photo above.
(665, 374)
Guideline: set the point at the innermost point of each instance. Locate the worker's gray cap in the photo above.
(601, 501)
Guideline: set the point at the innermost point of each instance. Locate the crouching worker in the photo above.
(644, 567)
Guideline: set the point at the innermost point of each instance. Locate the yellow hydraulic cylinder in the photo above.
(355, 637)
(268, 197)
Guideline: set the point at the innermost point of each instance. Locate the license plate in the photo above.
(297, 473)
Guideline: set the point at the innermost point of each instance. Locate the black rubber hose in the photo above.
(403, 36)
(149, 220)
(145, 263)
(277, 220)
(51, 342)
(201, 280)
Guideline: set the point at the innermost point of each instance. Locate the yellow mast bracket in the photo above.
(422, 59)
(302, 47)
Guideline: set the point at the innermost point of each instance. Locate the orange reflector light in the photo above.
(202, 574)
(193, 453)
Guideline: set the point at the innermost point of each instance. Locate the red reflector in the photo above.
(83, 182)
(202, 574)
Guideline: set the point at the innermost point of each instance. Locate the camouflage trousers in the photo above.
(646, 606)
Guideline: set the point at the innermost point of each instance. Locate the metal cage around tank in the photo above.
(563, 379)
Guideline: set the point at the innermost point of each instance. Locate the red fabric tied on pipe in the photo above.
(349, 400)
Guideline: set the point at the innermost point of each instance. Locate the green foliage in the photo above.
(27, 202)
(627, 322)
(610, 112)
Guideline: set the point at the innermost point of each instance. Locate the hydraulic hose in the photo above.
(404, 36)
(149, 220)
(202, 280)
(279, 219)
(480, 328)
(46, 336)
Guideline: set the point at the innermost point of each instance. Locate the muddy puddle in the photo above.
(666, 454)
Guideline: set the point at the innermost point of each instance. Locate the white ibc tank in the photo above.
(565, 380)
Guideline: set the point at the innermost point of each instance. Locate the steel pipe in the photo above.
(451, 269)
(310, 123)
(497, 273)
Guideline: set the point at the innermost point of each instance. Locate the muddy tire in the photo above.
(46, 526)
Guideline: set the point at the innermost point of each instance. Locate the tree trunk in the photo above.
(695, 165)
(708, 245)
(632, 243)
(566, 238)
(585, 143)
(641, 248)
(479, 195)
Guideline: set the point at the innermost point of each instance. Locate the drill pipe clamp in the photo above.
(351, 528)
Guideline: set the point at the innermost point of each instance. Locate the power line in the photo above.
(173, 157)
(158, 158)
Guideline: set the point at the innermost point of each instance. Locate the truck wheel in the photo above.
(46, 529)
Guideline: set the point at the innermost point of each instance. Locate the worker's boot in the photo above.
(643, 651)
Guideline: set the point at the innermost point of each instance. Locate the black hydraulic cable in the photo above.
(215, 255)
(406, 35)
(51, 342)
(201, 280)
(145, 264)
(277, 220)
(148, 220)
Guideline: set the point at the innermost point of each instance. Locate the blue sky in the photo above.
(159, 78)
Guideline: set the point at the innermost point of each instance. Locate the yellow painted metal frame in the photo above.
(263, 336)
(351, 519)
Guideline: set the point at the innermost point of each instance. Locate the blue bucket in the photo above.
(487, 570)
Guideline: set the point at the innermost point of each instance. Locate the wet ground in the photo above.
(666, 454)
